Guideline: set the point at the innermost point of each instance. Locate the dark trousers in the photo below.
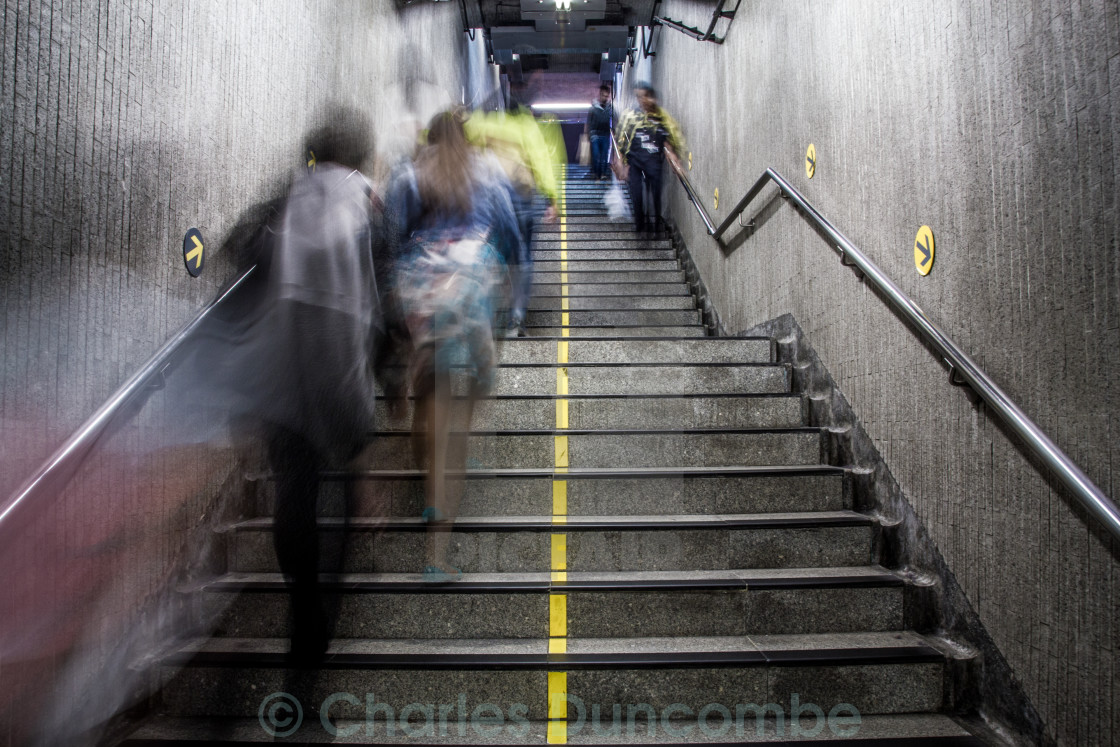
(297, 538)
(527, 218)
(600, 151)
(645, 183)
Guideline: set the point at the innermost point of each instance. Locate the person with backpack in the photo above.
(458, 234)
(647, 136)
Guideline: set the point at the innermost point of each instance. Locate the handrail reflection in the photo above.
(86, 436)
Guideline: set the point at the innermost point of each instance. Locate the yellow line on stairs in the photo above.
(558, 603)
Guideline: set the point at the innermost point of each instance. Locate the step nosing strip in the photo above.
(796, 430)
(642, 340)
(701, 395)
(726, 583)
(575, 524)
(647, 364)
(587, 661)
(808, 470)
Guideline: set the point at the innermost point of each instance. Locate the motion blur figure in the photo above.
(307, 354)
(647, 136)
(528, 159)
(458, 233)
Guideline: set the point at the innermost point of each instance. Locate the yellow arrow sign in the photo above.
(196, 253)
(810, 161)
(193, 252)
(923, 250)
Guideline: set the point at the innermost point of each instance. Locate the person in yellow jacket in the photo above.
(530, 160)
(647, 135)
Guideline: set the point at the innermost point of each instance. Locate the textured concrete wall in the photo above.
(993, 123)
(123, 124)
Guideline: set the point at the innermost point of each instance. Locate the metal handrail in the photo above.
(962, 369)
(696, 201)
(86, 436)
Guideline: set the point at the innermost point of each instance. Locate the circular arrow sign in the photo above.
(923, 250)
(193, 254)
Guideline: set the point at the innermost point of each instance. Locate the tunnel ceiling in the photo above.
(488, 13)
(539, 28)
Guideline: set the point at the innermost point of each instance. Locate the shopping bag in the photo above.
(618, 208)
(583, 153)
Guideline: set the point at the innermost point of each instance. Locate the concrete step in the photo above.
(554, 287)
(606, 230)
(615, 302)
(653, 351)
(580, 243)
(602, 268)
(699, 490)
(625, 278)
(620, 316)
(607, 449)
(645, 378)
(592, 220)
(599, 605)
(914, 730)
(875, 673)
(623, 412)
(596, 208)
(588, 203)
(618, 232)
(556, 331)
(559, 286)
(582, 255)
(619, 412)
(594, 543)
(489, 492)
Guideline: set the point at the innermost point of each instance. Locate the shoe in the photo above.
(433, 574)
(521, 331)
(430, 514)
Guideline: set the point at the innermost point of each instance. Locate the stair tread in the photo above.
(682, 395)
(747, 578)
(647, 364)
(921, 728)
(620, 433)
(819, 649)
(630, 340)
(610, 473)
(603, 523)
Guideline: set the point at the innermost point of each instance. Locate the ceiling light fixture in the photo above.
(560, 106)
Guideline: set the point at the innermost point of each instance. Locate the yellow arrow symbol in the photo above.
(196, 253)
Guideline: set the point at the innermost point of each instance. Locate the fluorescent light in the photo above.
(561, 107)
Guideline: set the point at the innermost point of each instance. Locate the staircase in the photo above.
(649, 534)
